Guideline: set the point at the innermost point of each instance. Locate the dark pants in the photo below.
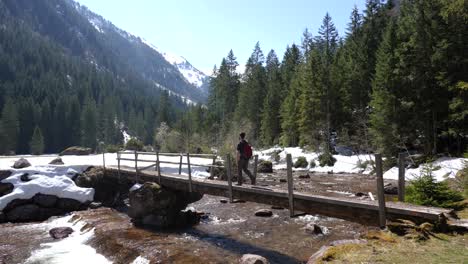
(242, 165)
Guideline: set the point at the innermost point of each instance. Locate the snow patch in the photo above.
(51, 180)
(72, 249)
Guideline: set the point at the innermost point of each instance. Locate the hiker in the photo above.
(244, 153)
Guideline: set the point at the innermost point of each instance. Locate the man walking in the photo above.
(244, 153)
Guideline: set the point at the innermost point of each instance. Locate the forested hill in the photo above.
(76, 82)
(396, 80)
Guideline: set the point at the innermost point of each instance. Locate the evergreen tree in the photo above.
(252, 90)
(270, 122)
(10, 126)
(89, 124)
(37, 142)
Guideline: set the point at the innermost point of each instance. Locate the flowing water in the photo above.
(226, 232)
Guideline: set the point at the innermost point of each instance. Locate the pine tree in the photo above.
(383, 119)
(252, 90)
(89, 124)
(10, 125)
(37, 142)
(270, 123)
(311, 116)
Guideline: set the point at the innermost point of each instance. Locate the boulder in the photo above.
(21, 163)
(60, 232)
(161, 207)
(69, 205)
(264, 213)
(107, 190)
(223, 201)
(5, 174)
(315, 229)
(57, 161)
(16, 203)
(253, 259)
(25, 177)
(24, 213)
(6, 188)
(79, 151)
(304, 176)
(2, 218)
(283, 180)
(45, 200)
(95, 205)
(265, 166)
(391, 188)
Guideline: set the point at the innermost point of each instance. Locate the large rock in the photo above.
(80, 151)
(24, 213)
(265, 166)
(107, 190)
(161, 207)
(25, 177)
(5, 174)
(57, 161)
(6, 188)
(21, 163)
(60, 232)
(253, 259)
(263, 213)
(45, 200)
(391, 188)
(2, 218)
(69, 205)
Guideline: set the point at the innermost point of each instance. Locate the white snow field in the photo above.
(446, 167)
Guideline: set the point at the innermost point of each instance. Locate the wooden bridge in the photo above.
(363, 211)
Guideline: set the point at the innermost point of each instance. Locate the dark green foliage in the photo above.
(326, 159)
(112, 148)
(301, 162)
(425, 190)
(312, 164)
(37, 142)
(134, 144)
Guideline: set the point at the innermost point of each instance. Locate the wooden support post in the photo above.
(255, 167)
(136, 167)
(189, 172)
(118, 164)
(290, 185)
(212, 168)
(229, 176)
(103, 161)
(158, 166)
(180, 165)
(380, 191)
(401, 177)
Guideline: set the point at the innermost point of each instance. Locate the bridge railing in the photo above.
(140, 156)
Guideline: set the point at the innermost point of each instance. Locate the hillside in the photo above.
(80, 80)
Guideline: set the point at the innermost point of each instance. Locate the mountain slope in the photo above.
(89, 36)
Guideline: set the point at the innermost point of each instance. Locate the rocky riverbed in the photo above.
(225, 233)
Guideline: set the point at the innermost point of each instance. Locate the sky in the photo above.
(203, 31)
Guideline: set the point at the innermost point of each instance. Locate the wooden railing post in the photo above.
(189, 172)
(136, 167)
(118, 164)
(158, 167)
(212, 168)
(401, 177)
(103, 161)
(380, 190)
(290, 185)
(180, 164)
(255, 167)
(229, 176)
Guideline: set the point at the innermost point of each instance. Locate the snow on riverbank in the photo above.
(72, 249)
(444, 167)
(51, 180)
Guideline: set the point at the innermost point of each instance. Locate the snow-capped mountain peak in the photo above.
(190, 73)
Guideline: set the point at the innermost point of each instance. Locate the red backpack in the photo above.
(247, 153)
